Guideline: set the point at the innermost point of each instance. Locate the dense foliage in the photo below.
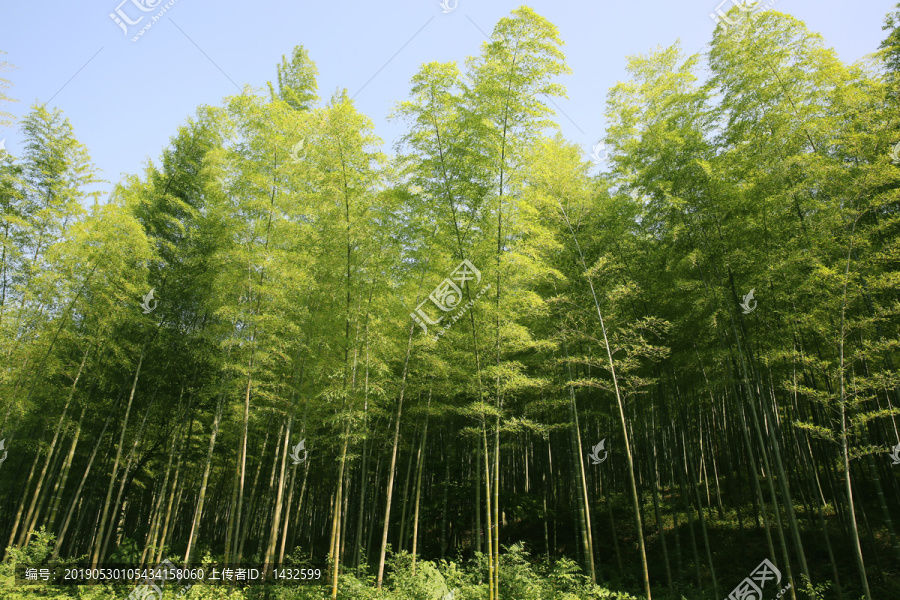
(472, 368)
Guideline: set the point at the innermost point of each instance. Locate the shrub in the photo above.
(426, 583)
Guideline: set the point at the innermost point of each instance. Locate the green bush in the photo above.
(425, 582)
(521, 578)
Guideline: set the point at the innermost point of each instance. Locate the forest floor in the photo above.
(525, 572)
(521, 578)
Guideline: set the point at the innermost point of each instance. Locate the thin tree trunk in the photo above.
(176, 486)
(198, 514)
(32, 509)
(659, 521)
(546, 516)
(364, 468)
(879, 492)
(584, 513)
(821, 504)
(112, 480)
(419, 468)
(302, 493)
(156, 508)
(769, 472)
(645, 573)
(785, 485)
(845, 446)
(409, 466)
(287, 515)
(131, 456)
(374, 511)
(446, 493)
(496, 523)
(476, 472)
(60, 487)
(336, 527)
(153, 534)
(693, 480)
(276, 523)
(254, 492)
(74, 501)
(769, 475)
(46, 496)
(488, 519)
(393, 468)
(614, 532)
(242, 470)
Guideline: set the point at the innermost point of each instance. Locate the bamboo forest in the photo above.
(285, 361)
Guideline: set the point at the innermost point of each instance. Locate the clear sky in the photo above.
(125, 99)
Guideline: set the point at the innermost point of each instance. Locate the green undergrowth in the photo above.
(522, 577)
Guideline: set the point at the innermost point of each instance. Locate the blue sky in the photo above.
(125, 99)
